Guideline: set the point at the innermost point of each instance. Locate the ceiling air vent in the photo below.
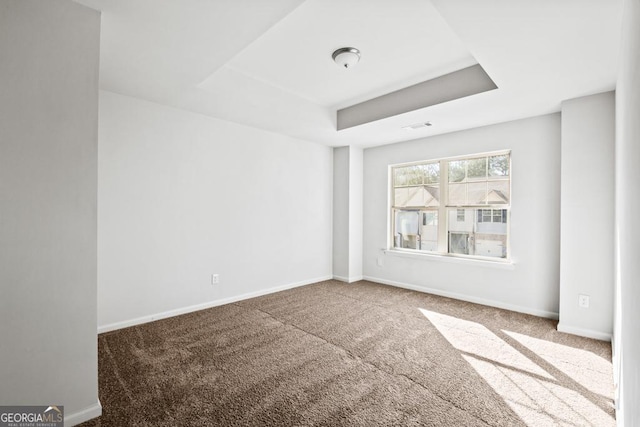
(417, 126)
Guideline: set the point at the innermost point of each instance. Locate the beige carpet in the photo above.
(361, 354)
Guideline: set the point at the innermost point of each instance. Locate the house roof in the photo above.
(429, 196)
(497, 196)
(417, 196)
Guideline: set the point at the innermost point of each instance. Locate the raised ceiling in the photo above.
(401, 42)
(267, 64)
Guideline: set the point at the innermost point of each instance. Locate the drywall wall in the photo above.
(627, 314)
(183, 196)
(356, 165)
(347, 213)
(341, 213)
(48, 202)
(587, 209)
(531, 283)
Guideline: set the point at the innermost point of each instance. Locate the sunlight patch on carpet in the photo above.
(476, 339)
(539, 385)
(593, 372)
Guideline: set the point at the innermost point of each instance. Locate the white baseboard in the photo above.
(348, 279)
(468, 298)
(596, 335)
(184, 310)
(86, 414)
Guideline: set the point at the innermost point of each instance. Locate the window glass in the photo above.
(457, 194)
(459, 243)
(486, 237)
(477, 168)
(463, 212)
(477, 193)
(499, 165)
(416, 229)
(430, 218)
(498, 192)
(416, 185)
(416, 174)
(457, 170)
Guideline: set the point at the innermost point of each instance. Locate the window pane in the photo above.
(430, 218)
(477, 193)
(415, 229)
(487, 181)
(490, 236)
(418, 196)
(399, 178)
(477, 168)
(429, 231)
(400, 196)
(406, 229)
(460, 226)
(457, 170)
(457, 194)
(498, 192)
(409, 175)
(416, 174)
(431, 196)
(459, 243)
(432, 173)
(499, 165)
(484, 235)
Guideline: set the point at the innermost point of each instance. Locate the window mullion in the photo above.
(442, 208)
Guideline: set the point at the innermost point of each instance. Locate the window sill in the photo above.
(498, 264)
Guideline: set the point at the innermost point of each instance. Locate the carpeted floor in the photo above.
(360, 354)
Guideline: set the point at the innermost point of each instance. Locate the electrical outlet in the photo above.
(583, 301)
(380, 261)
(215, 279)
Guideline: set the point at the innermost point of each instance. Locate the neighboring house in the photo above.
(417, 229)
(479, 231)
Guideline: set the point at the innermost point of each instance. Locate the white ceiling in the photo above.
(295, 54)
(268, 64)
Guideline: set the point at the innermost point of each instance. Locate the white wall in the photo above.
(183, 196)
(627, 306)
(531, 284)
(341, 213)
(347, 213)
(49, 56)
(356, 170)
(587, 212)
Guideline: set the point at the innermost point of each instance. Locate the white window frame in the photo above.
(444, 208)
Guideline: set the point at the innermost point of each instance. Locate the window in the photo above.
(456, 206)
(430, 218)
(492, 215)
